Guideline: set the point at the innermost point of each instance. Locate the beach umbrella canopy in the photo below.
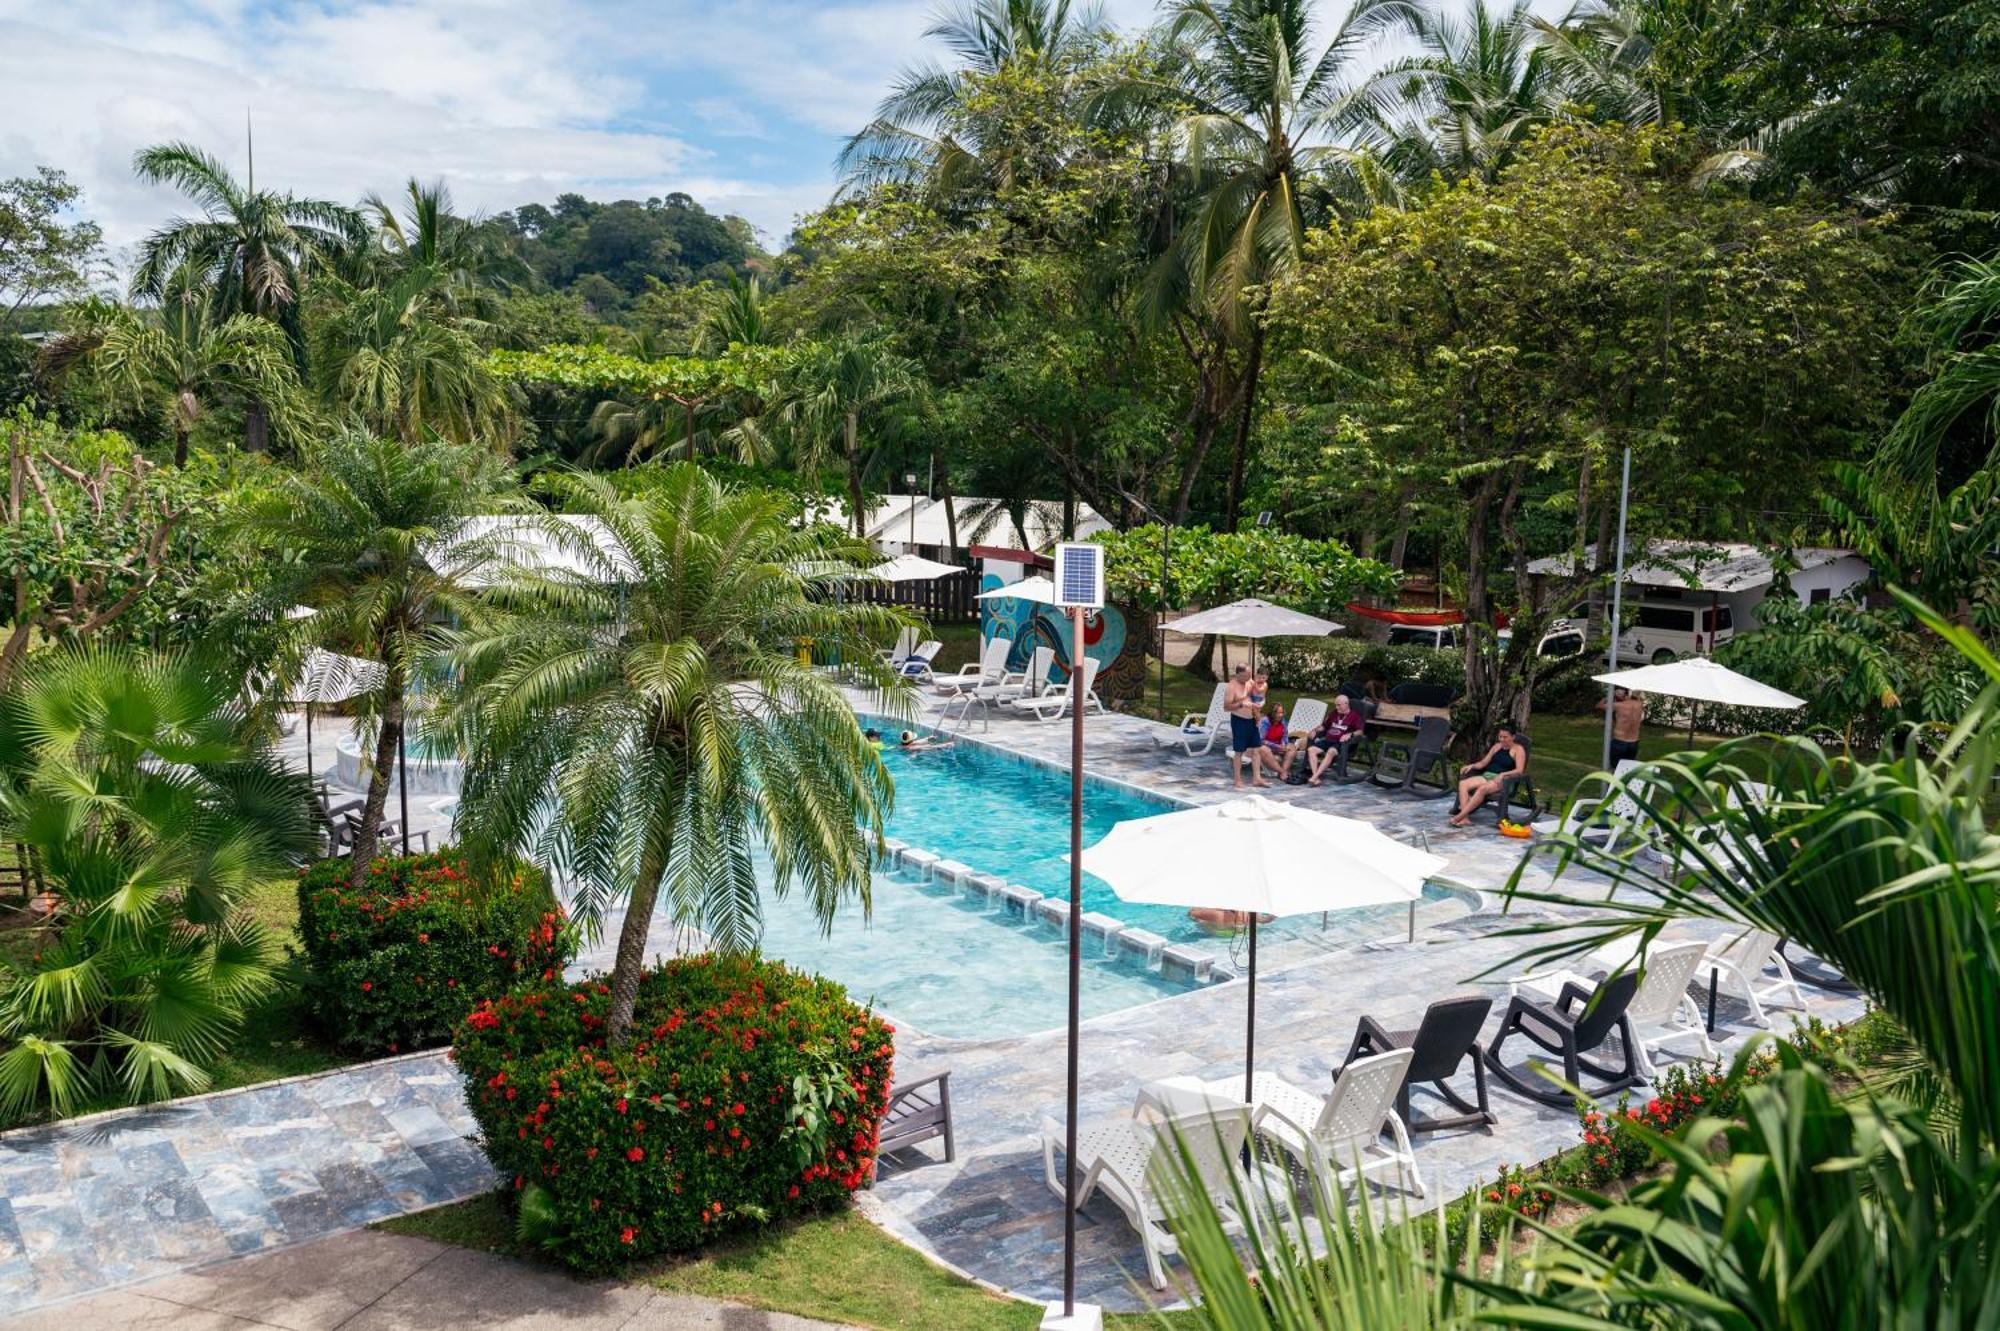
(1702, 680)
(1037, 589)
(912, 568)
(1252, 618)
(331, 677)
(1259, 857)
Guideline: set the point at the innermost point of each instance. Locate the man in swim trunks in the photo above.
(1244, 740)
(1628, 713)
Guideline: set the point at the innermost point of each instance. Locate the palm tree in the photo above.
(252, 247)
(180, 359)
(379, 537)
(151, 812)
(1263, 110)
(396, 359)
(466, 263)
(835, 387)
(647, 723)
(733, 316)
(932, 129)
(1481, 84)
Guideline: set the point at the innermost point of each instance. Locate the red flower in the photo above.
(366, 985)
(628, 1234)
(636, 1154)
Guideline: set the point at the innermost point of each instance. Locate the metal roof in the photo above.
(1709, 566)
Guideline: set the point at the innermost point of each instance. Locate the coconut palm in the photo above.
(733, 316)
(396, 359)
(833, 388)
(379, 537)
(467, 264)
(151, 812)
(932, 130)
(180, 358)
(1264, 111)
(1479, 87)
(647, 725)
(252, 247)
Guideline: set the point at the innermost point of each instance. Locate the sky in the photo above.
(742, 104)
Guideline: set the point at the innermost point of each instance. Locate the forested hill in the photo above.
(606, 252)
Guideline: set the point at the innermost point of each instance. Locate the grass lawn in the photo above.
(836, 1267)
(277, 1038)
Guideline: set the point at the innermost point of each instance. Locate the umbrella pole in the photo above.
(1691, 707)
(1250, 1023)
(403, 787)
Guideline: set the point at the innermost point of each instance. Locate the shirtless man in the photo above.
(1628, 713)
(1241, 701)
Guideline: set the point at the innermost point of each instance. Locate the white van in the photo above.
(1562, 638)
(1660, 631)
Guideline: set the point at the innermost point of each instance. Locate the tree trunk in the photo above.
(1240, 450)
(630, 962)
(688, 407)
(257, 427)
(943, 473)
(180, 442)
(1202, 663)
(851, 442)
(1399, 544)
(387, 744)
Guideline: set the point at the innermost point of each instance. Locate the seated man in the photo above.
(1478, 781)
(1334, 740)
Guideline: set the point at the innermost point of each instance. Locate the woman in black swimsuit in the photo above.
(1480, 779)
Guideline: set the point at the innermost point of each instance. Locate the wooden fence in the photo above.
(940, 600)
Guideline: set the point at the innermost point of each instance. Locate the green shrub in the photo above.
(1320, 666)
(749, 1092)
(396, 966)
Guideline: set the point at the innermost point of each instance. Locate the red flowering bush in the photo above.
(396, 966)
(1613, 1149)
(749, 1091)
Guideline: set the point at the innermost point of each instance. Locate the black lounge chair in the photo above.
(918, 1112)
(1417, 765)
(1577, 1023)
(1448, 1034)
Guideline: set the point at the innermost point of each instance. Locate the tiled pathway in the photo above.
(119, 1198)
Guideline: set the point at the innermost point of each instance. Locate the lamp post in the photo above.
(1617, 598)
(910, 485)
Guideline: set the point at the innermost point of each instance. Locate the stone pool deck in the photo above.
(103, 1203)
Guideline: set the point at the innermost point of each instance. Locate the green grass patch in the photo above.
(836, 1267)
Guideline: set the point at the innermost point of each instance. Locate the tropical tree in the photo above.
(252, 247)
(134, 782)
(468, 265)
(733, 316)
(1261, 114)
(1476, 90)
(381, 539)
(179, 359)
(832, 389)
(398, 361)
(647, 725)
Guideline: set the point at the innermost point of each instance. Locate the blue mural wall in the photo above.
(1030, 624)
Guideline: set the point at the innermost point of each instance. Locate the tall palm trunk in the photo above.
(851, 445)
(1239, 452)
(388, 745)
(180, 443)
(630, 962)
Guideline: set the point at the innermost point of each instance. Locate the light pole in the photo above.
(1617, 598)
(910, 485)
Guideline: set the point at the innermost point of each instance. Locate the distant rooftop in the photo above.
(1709, 566)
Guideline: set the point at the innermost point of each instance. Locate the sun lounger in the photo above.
(1338, 1140)
(1751, 964)
(917, 665)
(1199, 728)
(990, 668)
(1576, 1023)
(1054, 705)
(1442, 1041)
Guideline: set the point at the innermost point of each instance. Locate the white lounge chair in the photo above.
(906, 645)
(1132, 1163)
(1307, 713)
(1199, 727)
(990, 668)
(1743, 960)
(1661, 1012)
(1032, 682)
(1054, 704)
(917, 665)
(1338, 1140)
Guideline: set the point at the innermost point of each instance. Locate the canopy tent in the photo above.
(1253, 619)
(1699, 679)
(913, 568)
(1259, 857)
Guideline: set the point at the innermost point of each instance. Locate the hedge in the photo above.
(749, 1092)
(396, 966)
(1320, 666)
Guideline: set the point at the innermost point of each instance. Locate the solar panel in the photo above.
(1080, 574)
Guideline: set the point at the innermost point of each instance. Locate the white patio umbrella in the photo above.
(1037, 589)
(1260, 857)
(1699, 679)
(912, 568)
(331, 677)
(1253, 619)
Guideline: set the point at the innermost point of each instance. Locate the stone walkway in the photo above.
(368, 1281)
(110, 1201)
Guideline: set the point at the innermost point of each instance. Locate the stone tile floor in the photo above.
(101, 1203)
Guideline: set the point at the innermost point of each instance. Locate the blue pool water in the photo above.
(933, 959)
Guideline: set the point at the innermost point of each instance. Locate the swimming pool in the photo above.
(959, 964)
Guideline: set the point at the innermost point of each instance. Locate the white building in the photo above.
(1726, 573)
(917, 524)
